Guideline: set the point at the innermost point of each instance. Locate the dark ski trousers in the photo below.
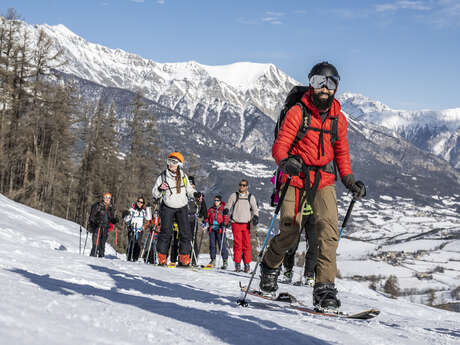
(167, 215)
(134, 245)
(103, 233)
(311, 255)
(175, 245)
(215, 239)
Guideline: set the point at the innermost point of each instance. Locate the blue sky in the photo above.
(405, 54)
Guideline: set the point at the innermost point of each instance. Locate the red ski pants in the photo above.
(241, 242)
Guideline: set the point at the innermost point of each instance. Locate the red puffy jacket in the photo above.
(214, 212)
(309, 148)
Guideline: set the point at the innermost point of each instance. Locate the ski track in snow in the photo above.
(52, 295)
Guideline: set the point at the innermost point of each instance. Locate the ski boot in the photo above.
(212, 263)
(225, 264)
(184, 260)
(162, 259)
(247, 268)
(287, 277)
(237, 267)
(325, 298)
(268, 279)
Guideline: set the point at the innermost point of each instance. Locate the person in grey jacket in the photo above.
(243, 209)
(174, 188)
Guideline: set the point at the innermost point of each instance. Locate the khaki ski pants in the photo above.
(325, 220)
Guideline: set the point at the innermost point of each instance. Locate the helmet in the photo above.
(179, 156)
(326, 69)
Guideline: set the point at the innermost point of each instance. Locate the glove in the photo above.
(115, 220)
(255, 220)
(124, 213)
(204, 225)
(196, 195)
(225, 211)
(356, 188)
(163, 187)
(291, 166)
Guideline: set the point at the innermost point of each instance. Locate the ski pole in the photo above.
(86, 239)
(145, 244)
(220, 247)
(195, 222)
(199, 247)
(152, 235)
(356, 196)
(116, 241)
(152, 232)
(79, 245)
(344, 224)
(97, 241)
(242, 301)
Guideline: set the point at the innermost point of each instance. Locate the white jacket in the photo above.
(136, 219)
(170, 196)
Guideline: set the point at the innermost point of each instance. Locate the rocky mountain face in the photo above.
(437, 132)
(235, 101)
(225, 115)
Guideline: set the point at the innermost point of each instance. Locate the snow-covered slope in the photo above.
(52, 295)
(437, 132)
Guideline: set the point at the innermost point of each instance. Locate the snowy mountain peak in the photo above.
(365, 103)
(240, 75)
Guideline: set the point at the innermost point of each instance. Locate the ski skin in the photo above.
(295, 304)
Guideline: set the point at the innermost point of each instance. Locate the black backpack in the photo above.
(294, 98)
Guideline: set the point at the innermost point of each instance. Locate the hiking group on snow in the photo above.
(310, 149)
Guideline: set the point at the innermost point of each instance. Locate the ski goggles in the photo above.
(173, 161)
(318, 81)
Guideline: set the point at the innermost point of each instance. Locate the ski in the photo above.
(291, 302)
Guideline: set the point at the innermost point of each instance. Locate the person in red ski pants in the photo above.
(243, 209)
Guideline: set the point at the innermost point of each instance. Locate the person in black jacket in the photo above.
(196, 209)
(102, 214)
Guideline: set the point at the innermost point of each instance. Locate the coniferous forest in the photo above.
(58, 153)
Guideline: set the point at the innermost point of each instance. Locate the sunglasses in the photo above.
(243, 185)
(216, 200)
(140, 201)
(107, 197)
(319, 81)
(172, 161)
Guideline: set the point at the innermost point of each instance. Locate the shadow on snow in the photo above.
(228, 327)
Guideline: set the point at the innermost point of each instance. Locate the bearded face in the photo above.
(322, 98)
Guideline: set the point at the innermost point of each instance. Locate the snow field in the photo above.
(52, 295)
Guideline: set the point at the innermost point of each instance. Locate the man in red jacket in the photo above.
(309, 161)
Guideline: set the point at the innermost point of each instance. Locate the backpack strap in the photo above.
(163, 180)
(237, 199)
(305, 126)
(306, 121)
(334, 130)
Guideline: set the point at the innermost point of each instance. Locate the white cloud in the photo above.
(138, 1)
(404, 5)
(441, 13)
(273, 17)
(161, 2)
